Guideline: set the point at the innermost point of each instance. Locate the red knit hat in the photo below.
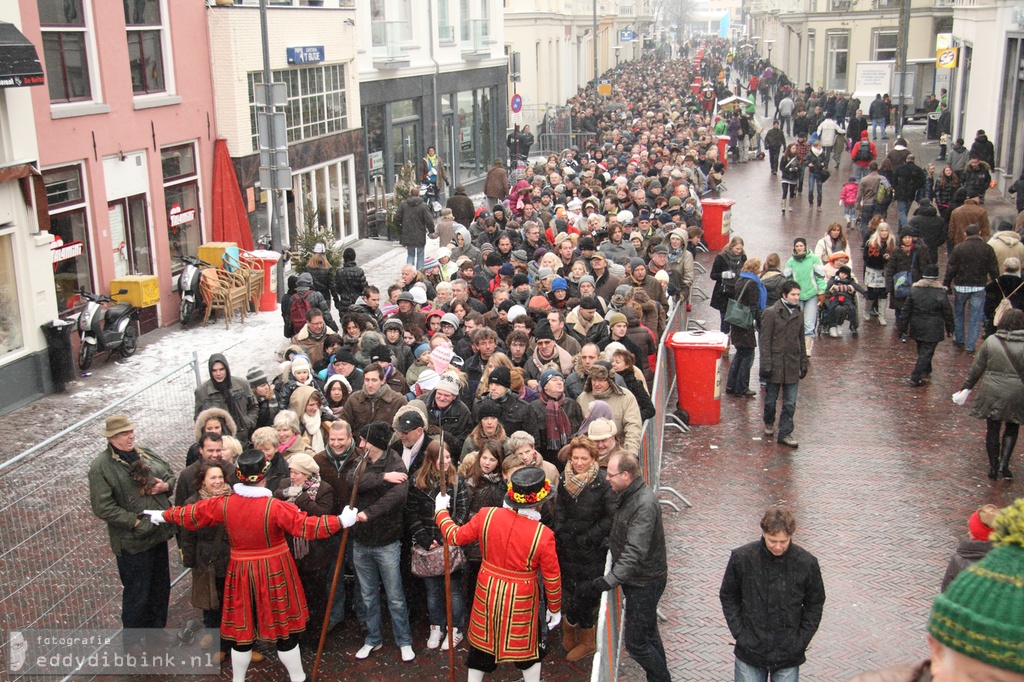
(980, 522)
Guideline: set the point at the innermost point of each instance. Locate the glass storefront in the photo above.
(11, 337)
(474, 127)
(69, 225)
(181, 202)
(322, 198)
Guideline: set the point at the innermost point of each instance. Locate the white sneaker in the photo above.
(366, 650)
(833, 332)
(407, 653)
(881, 318)
(456, 638)
(434, 640)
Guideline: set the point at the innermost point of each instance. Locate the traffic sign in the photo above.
(517, 103)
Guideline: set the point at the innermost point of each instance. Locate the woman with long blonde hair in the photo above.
(877, 249)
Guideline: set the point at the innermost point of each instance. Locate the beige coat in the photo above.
(626, 412)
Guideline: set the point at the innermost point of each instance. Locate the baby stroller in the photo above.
(840, 303)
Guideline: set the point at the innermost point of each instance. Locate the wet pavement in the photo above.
(882, 484)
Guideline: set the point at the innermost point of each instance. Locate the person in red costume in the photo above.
(516, 546)
(261, 572)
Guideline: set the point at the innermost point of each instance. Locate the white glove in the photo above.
(553, 620)
(441, 502)
(728, 274)
(292, 491)
(156, 516)
(960, 397)
(348, 516)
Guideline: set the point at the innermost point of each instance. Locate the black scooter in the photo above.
(114, 330)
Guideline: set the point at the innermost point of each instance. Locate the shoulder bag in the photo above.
(904, 279)
(429, 563)
(738, 314)
(1004, 305)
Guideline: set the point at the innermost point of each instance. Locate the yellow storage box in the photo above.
(143, 290)
(213, 252)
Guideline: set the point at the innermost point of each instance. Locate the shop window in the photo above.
(11, 338)
(838, 45)
(181, 202)
(69, 225)
(65, 49)
(144, 19)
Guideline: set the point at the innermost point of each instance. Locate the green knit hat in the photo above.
(981, 614)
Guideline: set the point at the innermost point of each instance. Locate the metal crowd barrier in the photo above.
(609, 624)
(556, 143)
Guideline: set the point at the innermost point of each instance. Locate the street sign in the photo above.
(604, 89)
(310, 54)
(947, 58)
(517, 103)
(627, 35)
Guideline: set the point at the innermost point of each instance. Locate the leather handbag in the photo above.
(738, 314)
(429, 563)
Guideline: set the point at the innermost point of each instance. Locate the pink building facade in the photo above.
(126, 130)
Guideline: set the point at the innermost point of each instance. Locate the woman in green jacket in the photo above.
(806, 269)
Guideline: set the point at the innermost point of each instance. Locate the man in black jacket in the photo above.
(932, 228)
(909, 181)
(639, 564)
(972, 265)
(927, 318)
(772, 597)
(377, 539)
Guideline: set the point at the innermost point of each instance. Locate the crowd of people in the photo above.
(512, 369)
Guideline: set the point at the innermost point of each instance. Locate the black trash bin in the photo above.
(932, 127)
(62, 359)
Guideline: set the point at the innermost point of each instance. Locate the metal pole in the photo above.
(597, 99)
(901, 61)
(272, 194)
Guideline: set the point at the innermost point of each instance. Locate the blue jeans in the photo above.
(974, 304)
(877, 123)
(414, 256)
(771, 397)
(814, 180)
(903, 208)
(739, 371)
(784, 124)
(338, 607)
(810, 308)
(744, 672)
(436, 601)
(643, 641)
(374, 566)
(859, 172)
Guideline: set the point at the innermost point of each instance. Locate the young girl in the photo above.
(877, 249)
(791, 170)
(485, 487)
(848, 200)
(419, 514)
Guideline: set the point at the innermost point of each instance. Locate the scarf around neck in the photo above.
(205, 494)
(559, 429)
(575, 483)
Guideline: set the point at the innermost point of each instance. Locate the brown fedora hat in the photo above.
(119, 423)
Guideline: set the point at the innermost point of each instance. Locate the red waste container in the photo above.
(268, 301)
(717, 222)
(699, 373)
(723, 150)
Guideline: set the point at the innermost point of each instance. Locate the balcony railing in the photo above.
(627, 10)
(389, 39)
(476, 35)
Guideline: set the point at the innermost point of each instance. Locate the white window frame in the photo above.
(878, 33)
(352, 215)
(295, 132)
(83, 205)
(196, 177)
(830, 62)
(167, 54)
(93, 105)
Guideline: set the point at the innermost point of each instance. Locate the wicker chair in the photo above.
(224, 291)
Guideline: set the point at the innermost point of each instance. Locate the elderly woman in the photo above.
(585, 504)
(625, 410)
(206, 551)
(306, 490)
(266, 440)
(289, 435)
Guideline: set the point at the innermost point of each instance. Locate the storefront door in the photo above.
(129, 235)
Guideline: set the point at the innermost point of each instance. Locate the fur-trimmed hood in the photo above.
(210, 413)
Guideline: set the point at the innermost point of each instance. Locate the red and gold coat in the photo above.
(261, 572)
(515, 550)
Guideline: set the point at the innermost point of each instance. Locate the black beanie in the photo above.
(500, 375)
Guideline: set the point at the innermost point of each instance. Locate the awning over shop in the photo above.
(19, 62)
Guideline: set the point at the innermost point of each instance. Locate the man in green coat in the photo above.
(125, 479)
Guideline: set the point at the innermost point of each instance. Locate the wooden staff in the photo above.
(447, 569)
(337, 569)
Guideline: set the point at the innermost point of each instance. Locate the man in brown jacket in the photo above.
(783, 361)
(496, 184)
(376, 402)
(972, 212)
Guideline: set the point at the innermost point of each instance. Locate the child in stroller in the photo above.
(841, 301)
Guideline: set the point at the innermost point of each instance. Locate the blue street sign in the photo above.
(310, 54)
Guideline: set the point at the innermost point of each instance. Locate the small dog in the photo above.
(142, 477)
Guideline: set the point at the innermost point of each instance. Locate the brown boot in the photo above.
(570, 635)
(586, 647)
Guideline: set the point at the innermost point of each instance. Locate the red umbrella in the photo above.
(230, 219)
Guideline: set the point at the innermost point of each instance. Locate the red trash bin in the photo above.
(717, 222)
(268, 301)
(723, 151)
(699, 373)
